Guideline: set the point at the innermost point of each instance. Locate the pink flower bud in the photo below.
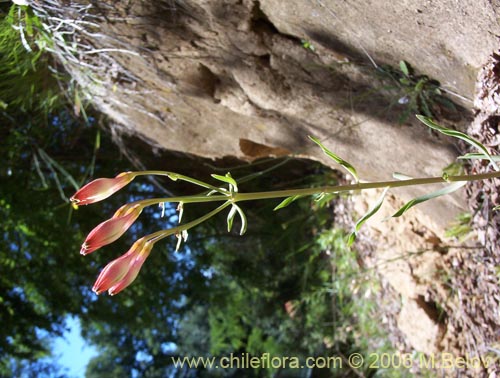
(100, 189)
(120, 273)
(109, 231)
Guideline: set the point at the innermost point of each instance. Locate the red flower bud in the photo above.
(100, 189)
(109, 231)
(120, 273)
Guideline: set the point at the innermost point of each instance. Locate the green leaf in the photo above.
(230, 218)
(28, 24)
(367, 216)
(287, 201)
(40, 173)
(173, 176)
(180, 209)
(401, 176)
(337, 159)
(425, 106)
(404, 68)
(405, 81)
(243, 217)
(457, 134)
(478, 156)
(438, 193)
(324, 198)
(227, 179)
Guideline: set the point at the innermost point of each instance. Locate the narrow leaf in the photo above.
(287, 201)
(404, 68)
(230, 218)
(179, 242)
(243, 217)
(49, 161)
(180, 209)
(477, 156)
(367, 216)
(438, 193)
(336, 158)
(176, 176)
(173, 176)
(401, 176)
(39, 171)
(457, 134)
(227, 179)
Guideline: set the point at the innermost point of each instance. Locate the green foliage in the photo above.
(336, 158)
(365, 217)
(28, 84)
(46, 152)
(43, 278)
(287, 201)
(353, 289)
(459, 135)
(307, 45)
(438, 193)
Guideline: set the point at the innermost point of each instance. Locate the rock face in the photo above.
(206, 77)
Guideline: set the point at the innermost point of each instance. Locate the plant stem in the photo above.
(183, 227)
(237, 197)
(362, 186)
(176, 176)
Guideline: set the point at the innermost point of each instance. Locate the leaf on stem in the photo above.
(404, 68)
(180, 209)
(401, 176)
(227, 179)
(181, 237)
(438, 193)
(478, 156)
(230, 218)
(52, 163)
(173, 176)
(367, 216)
(287, 201)
(243, 217)
(176, 176)
(457, 134)
(336, 158)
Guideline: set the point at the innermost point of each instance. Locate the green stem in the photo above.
(183, 227)
(176, 176)
(237, 197)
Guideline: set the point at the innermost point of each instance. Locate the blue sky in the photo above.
(71, 351)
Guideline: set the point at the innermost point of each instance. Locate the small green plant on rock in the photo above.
(419, 94)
